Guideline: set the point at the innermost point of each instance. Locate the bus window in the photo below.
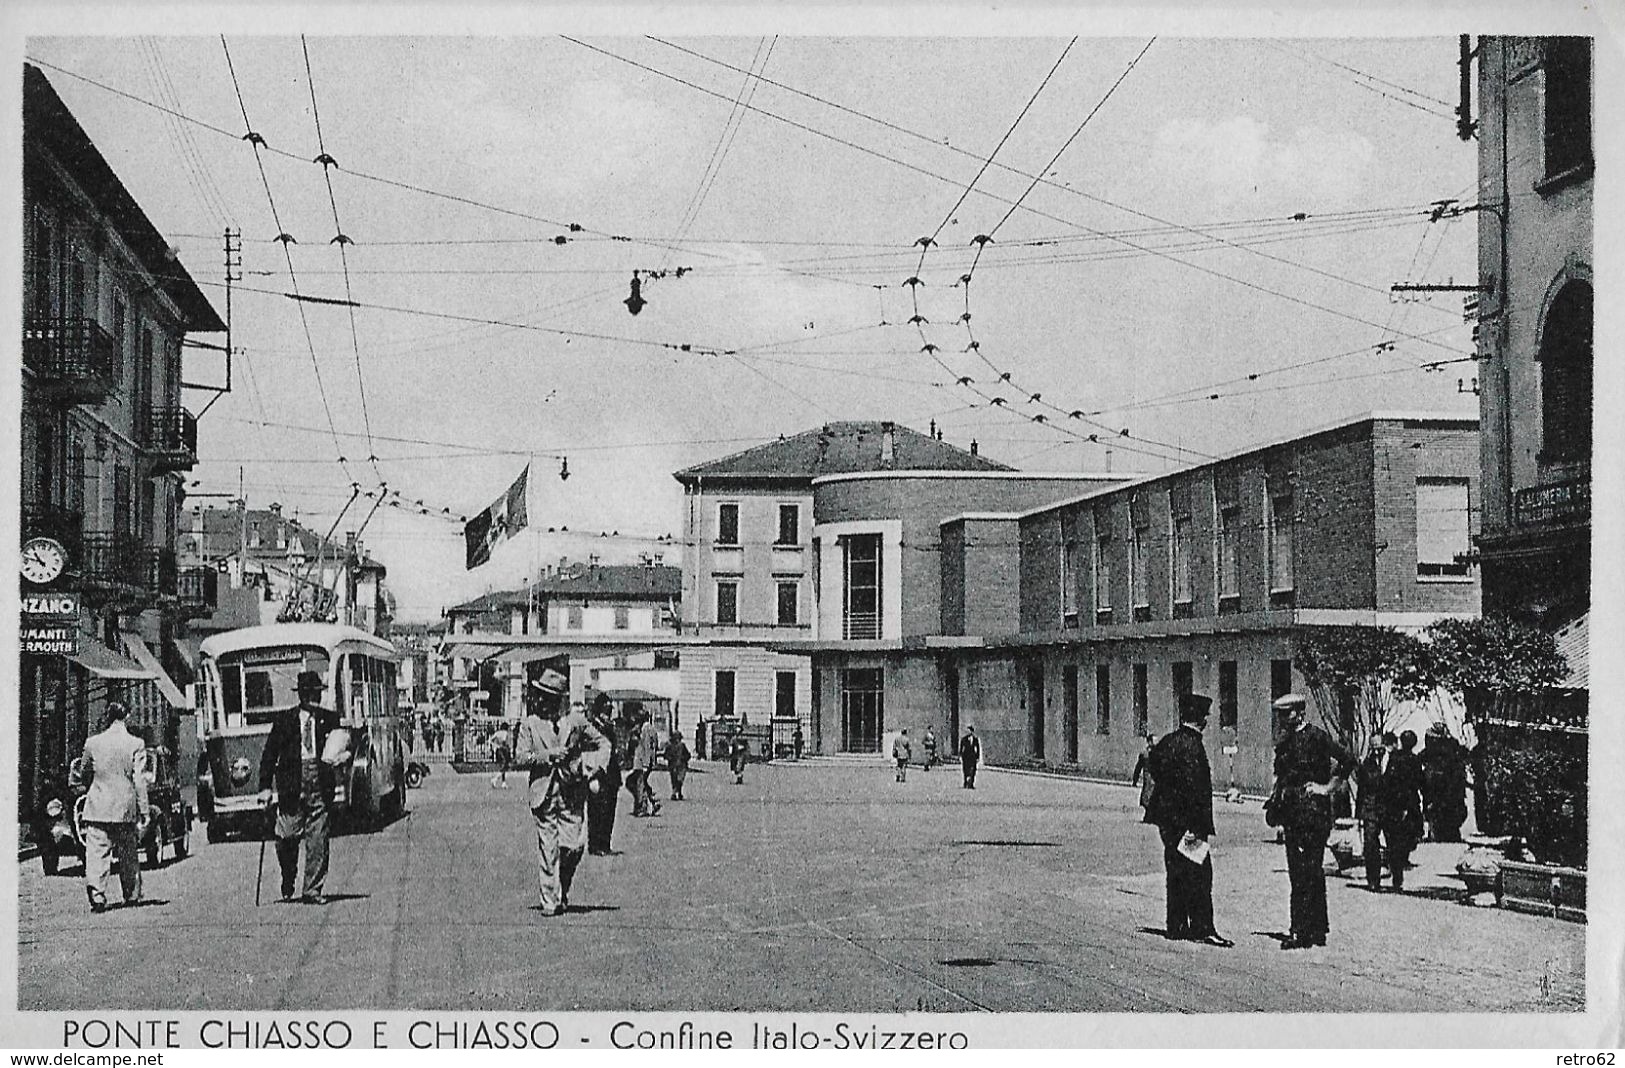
(231, 692)
(252, 691)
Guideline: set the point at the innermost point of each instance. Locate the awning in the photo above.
(99, 660)
(172, 693)
(1574, 642)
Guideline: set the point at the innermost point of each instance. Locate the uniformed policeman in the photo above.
(562, 750)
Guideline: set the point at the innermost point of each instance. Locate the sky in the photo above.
(1192, 240)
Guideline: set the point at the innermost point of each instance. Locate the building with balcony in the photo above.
(104, 436)
(1069, 630)
(749, 570)
(1535, 326)
(612, 620)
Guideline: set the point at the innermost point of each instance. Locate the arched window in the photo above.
(1565, 375)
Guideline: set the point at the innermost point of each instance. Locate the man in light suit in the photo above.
(563, 751)
(114, 765)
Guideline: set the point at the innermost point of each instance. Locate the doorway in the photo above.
(863, 715)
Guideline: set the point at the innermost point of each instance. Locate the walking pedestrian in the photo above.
(1389, 805)
(798, 741)
(929, 742)
(293, 761)
(1181, 807)
(563, 751)
(500, 742)
(114, 768)
(738, 754)
(901, 750)
(970, 755)
(1309, 768)
(1142, 773)
(677, 764)
(604, 791)
(645, 760)
(1444, 767)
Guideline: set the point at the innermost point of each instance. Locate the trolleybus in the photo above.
(246, 676)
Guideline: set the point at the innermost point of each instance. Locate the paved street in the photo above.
(813, 887)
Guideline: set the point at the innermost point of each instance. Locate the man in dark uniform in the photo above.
(1181, 806)
(292, 760)
(970, 755)
(605, 790)
(1309, 768)
(1444, 766)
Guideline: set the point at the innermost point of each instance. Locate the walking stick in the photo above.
(259, 873)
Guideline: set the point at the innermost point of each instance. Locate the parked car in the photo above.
(416, 772)
(56, 824)
(169, 817)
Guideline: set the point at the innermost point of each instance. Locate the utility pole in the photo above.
(242, 531)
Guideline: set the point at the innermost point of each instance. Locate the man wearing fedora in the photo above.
(1181, 806)
(292, 762)
(1309, 768)
(563, 751)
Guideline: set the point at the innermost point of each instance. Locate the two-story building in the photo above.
(749, 569)
(105, 440)
(1199, 581)
(1535, 311)
(616, 622)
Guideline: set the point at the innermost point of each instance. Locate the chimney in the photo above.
(973, 449)
(888, 443)
(276, 508)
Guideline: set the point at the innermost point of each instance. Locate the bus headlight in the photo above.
(239, 771)
(53, 808)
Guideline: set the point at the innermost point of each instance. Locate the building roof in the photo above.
(839, 448)
(607, 581)
(48, 122)
(1574, 642)
(1457, 422)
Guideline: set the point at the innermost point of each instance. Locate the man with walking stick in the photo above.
(294, 762)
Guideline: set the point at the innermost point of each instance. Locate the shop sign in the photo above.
(50, 624)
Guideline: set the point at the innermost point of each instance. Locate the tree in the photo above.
(1493, 655)
(1359, 675)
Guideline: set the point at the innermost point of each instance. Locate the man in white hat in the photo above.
(563, 750)
(1309, 768)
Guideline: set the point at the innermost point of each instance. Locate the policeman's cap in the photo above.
(1290, 701)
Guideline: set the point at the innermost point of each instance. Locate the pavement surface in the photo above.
(813, 887)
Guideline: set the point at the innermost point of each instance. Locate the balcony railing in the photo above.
(112, 562)
(860, 626)
(197, 590)
(76, 359)
(52, 521)
(1567, 501)
(158, 571)
(169, 438)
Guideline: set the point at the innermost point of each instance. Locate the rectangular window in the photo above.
(1443, 530)
(789, 524)
(76, 474)
(784, 695)
(119, 355)
(1229, 544)
(574, 617)
(1280, 686)
(727, 524)
(789, 603)
(1567, 104)
(1227, 694)
(1069, 712)
(1142, 701)
(143, 376)
(623, 617)
(1138, 573)
(1179, 676)
(723, 703)
(1069, 583)
(123, 499)
(1280, 540)
(1182, 559)
(861, 611)
(1103, 573)
(667, 660)
(728, 602)
(1103, 699)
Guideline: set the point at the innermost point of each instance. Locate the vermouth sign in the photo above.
(50, 624)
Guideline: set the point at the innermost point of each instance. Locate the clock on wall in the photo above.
(43, 560)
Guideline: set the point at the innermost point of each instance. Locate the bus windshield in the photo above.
(253, 685)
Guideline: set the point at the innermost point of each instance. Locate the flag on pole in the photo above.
(505, 517)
